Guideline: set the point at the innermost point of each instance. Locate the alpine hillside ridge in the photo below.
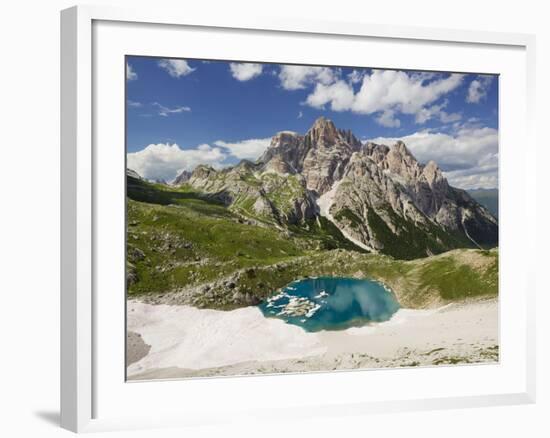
(380, 197)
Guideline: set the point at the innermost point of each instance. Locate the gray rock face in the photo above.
(447, 206)
(372, 207)
(285, 154)
(329, 154)
(387, 197)
(320, 156)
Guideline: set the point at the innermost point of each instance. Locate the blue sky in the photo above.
(183, 112)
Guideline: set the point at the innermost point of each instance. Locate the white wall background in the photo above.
(29, 215)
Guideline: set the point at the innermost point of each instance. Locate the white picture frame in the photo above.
(81, 366)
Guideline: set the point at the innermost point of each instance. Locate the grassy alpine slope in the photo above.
(188, 248)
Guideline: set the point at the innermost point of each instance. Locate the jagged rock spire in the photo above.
(323, 131)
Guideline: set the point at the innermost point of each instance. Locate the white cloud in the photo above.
(468, 157)
(436, 111)
(477, 91)
(482, 177)
(246, 149)
(396, 90)
(300, 115)
(131, 75)
(388, 92)
(176, 67)
(165, 161)
(449, 118)
(355, 76)
(165, 111)
(339, 95)
(387, 119)
(245, 71)
(295, 77)
(133, 104)
(423, 75)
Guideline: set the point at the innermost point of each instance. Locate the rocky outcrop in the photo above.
(373, 208)
(394, 204)
(268, 195)
(133, 174)
(285, 154)
(447, 206)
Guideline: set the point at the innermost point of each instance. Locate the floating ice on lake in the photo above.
(321, 294)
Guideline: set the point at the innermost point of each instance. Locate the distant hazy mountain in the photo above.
(488, 198)
(182, 178)
(379, 197)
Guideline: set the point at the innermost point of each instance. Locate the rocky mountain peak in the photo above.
(245, 166)
(401, 162)
(285, 153)
(322, 122)
(401, 147)
(202, 171)
(432, 173)
(323, 132)
(182, 178)
(351, 139)
(377, 152)
(284, 137)
(435, 179)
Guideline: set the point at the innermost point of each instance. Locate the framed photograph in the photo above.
(269, 207)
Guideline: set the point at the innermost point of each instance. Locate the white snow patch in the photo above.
(186, 337)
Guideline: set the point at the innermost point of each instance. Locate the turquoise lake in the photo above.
(331, 303)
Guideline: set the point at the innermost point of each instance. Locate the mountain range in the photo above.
(380, 197)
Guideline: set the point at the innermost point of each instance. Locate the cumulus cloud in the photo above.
(399, 91)
(131, 75)
(176, 67)
(166, 161)
(383, 93)
(296, 77)
(247, 149)
(388, 93)
(468, 156)
(338, 94)
(300, 115)
(165, 111)
(245, 71)
(478, 89)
